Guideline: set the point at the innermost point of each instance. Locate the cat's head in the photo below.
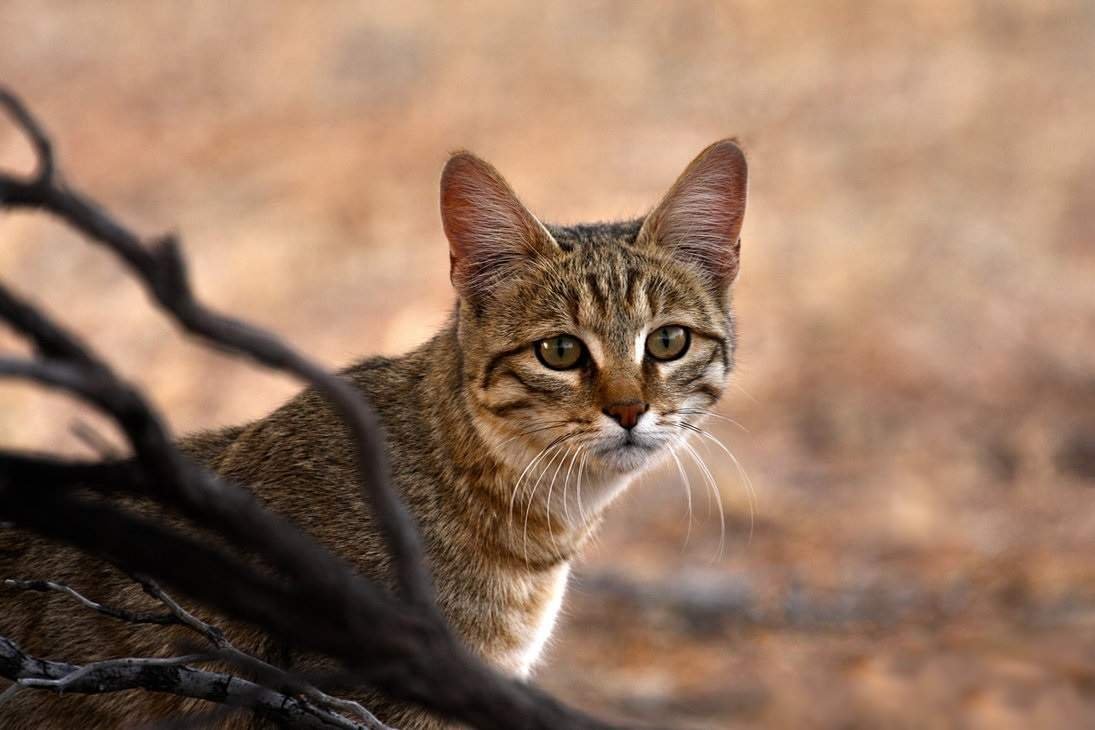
(604, 342)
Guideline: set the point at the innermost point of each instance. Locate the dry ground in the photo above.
(917, 381)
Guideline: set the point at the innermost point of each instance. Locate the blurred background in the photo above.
(916, 391)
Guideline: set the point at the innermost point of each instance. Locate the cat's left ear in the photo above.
(699, 219)
(491, 234)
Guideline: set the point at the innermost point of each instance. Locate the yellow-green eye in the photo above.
(668, 343)
(560, 352)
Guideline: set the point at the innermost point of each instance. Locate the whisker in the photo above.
(709, 480)
(694, 429)
(581, 469)
(551, 487)
(744, 392)
(566, 485)
(529, 432)
(532, 493)
(710, 414)
(750, 489)
(513, 497)
(687, 484)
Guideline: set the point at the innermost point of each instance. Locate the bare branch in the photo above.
(43, 150)
(168, 675)
(274, 676)
(132, 617)
(94, 440)
(92, 676)
(211, 633)
(269, 675)
(162, 270)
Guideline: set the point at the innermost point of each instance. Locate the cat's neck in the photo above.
(528, 507)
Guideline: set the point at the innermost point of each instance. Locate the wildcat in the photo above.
(575, 358)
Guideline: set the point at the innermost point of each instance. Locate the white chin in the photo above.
(627, 457)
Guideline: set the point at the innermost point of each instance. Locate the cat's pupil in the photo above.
(665, 338)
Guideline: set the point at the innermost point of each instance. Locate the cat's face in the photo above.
(603, 343)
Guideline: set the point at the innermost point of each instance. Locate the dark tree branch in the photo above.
(398, 651)
(43, 150)
(170, 477)
(268, 675)
(305, 596)
(162, 270)
(274, 676)
(93, 440)
(168, 675)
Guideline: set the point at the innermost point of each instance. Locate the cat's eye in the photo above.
(561, 352)
(669, 342)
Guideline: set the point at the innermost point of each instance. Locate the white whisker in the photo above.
(750, 489)
(516, 487)
(687, 493)
(551, 488)
(566, 485)
(711, 414)
(581, 469)
(532, 494)
(744, 392)
(709, 480)
(538, 429)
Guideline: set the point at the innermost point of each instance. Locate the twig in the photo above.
(92, 675)
(268, 675)
(211, 633)
(169, 675)
(43, 150)
(162, 619)
(274, 675)
(94, 440)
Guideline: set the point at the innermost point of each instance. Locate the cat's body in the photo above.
(498, 603)
(505, 441)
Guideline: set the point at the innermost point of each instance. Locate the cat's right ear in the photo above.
(491, 234)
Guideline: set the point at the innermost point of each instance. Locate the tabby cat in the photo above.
(575, 357)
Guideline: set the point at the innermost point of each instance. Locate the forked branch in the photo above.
(103, 676)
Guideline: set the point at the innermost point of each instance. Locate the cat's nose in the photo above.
(626, 414)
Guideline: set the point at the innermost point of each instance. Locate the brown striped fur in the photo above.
(507, 465)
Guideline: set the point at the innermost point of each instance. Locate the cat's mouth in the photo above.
(628, 441)
(627, 453)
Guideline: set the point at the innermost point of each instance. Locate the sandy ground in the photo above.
(916, 395)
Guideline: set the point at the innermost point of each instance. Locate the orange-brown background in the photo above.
(917, 302)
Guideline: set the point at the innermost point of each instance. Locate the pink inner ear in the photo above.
(490, 232)
(700, 218)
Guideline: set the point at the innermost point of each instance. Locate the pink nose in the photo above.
(627, 414)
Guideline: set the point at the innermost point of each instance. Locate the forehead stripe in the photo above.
(630, 286)
(595, 292)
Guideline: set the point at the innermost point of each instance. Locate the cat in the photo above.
(575, 358)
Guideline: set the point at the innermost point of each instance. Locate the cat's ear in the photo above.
(700, 218)
(491, 234)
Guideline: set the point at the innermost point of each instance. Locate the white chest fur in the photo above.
(544, 596)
